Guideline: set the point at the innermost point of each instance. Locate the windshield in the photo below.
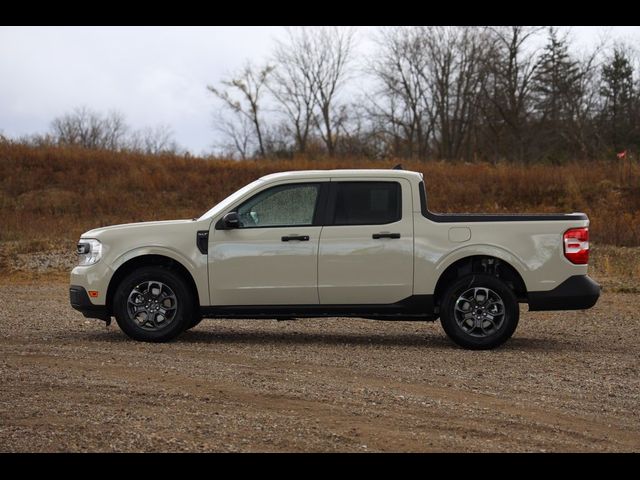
(229, 200)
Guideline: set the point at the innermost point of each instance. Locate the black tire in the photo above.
(177, 320)
(195, 321)
(474, 324)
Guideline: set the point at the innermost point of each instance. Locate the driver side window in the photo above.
(284, 205)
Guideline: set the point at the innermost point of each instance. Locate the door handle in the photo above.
(376, 236)
(301, 238)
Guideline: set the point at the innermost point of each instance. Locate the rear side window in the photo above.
(367, 203)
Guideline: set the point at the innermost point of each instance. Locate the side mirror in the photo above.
(229, 221)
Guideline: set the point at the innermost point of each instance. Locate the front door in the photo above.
(272, 259)
(366, 248)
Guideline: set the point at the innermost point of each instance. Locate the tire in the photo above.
(479, 312)
(153, 304)
(195, 321)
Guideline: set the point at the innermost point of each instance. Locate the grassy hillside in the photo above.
(49, 196)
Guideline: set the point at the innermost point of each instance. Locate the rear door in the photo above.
(366, 245)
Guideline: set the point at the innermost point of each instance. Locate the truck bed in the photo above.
(492, 217)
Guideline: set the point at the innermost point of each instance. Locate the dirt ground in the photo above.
(566, 382)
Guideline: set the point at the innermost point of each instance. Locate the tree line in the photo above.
(444, 92)
(87, 128)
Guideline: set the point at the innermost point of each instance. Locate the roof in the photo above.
(391, 173)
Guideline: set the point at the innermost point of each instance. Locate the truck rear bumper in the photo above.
(80, 301)
(578, 292)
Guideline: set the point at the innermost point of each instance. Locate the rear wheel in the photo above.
(153, 304)
(479, 312)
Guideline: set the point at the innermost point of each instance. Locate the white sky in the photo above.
(152, 75)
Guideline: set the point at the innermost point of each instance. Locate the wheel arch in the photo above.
(146, 260)
(480, 263)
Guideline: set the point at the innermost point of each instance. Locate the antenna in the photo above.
(398, 167)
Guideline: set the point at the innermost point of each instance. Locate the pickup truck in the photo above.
(339, 243)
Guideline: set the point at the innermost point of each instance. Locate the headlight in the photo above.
(89, 251)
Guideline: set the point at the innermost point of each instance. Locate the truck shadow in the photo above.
(260, 337)
(429, 340)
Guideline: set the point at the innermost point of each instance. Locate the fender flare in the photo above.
(153, 250)
(482, 250)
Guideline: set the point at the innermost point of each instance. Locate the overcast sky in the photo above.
(152, 75)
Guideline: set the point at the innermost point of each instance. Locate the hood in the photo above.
(138, 228)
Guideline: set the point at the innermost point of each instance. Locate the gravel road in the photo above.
(565, 382)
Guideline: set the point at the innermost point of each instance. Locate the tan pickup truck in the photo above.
(358, 243)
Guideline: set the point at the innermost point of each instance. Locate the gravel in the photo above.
(567, 381)
(43, 261)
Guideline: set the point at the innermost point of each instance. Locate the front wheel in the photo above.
(153, 304)
(195, 321)
(479, 312)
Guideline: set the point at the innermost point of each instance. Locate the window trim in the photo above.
(331, 204)
(318, 212)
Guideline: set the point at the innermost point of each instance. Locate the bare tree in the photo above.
(584, 106)
(455, 75)
(294, 88)
(314, 64)
(402, 100)
(249, 86)
(90, 129)
(153, 140)
(511, 66)
(238, 133)
(331, 51)
(87, 128)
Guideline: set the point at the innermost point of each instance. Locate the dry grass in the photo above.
(50, 195)
(617, 269)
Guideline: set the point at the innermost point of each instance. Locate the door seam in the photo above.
(318, 265)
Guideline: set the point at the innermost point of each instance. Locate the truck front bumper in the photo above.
(80, 301)
(578, 292)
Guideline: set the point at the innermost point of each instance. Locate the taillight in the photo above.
(576, 245)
